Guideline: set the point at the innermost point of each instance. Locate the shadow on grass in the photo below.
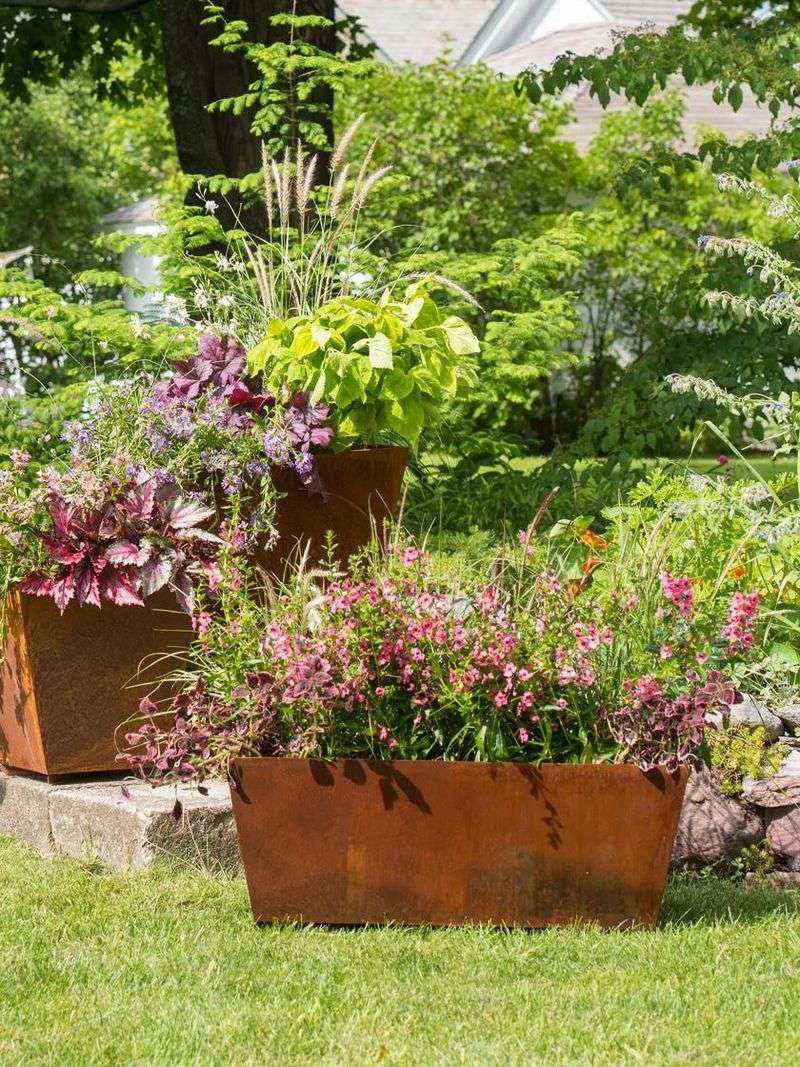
(709, 900)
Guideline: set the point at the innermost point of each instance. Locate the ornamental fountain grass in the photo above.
(404, 749)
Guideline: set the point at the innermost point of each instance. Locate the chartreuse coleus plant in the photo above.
(385, 366)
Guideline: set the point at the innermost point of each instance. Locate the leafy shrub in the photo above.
(756, 860)
(385, 366)
(475, 161)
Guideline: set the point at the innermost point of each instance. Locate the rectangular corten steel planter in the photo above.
(64, 677)
(366, 841)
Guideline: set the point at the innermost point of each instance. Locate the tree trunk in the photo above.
(211, 143)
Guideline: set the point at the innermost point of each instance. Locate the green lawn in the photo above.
(166, 968)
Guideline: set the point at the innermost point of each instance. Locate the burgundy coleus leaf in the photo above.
(321, 436)
(38, 585)
(147, 707)
(198, 534)
(182, 514)
(155, 573)
(183, 588)
(117, 587)
(139, 502)
(61, 516)
(62, 551)
(127, 554)
(63, 591)
(89, 525)
(108, 526)
(241, 396)
(87, 586)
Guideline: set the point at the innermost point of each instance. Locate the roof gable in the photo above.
(419, 31)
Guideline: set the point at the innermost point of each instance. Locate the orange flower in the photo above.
(590, 564)
(737, 572)
(593, 540)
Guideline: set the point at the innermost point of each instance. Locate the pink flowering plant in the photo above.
(161, 473)
(392, 663)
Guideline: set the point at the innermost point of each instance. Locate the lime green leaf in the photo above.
(303, 344)
(380, 352)
(460, 338)
(319, 388)
(397, 384)
(320, 335)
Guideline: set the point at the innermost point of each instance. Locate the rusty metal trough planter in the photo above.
(367, 841)
(65, 680)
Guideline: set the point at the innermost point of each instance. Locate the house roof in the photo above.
(638, 12)
(142, 213)
(418, 31)
(701, 111)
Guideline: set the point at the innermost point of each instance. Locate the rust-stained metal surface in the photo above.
(64, 677)
(363, 489)
(364, 841)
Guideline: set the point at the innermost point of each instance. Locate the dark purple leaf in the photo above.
(87, 587)
(38, 585)
(63, 591)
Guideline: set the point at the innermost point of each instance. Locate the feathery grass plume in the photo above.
(341, 148)
(337, 192)
(363, 190)
(446, 283)
(268, 189)
(304, 193)
(314, 247)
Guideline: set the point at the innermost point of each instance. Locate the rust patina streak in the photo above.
(363, 841)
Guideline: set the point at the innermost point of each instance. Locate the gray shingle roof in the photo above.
(661, 12)
(701, 111)
(417, 31)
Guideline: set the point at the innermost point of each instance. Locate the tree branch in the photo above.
(89, 7)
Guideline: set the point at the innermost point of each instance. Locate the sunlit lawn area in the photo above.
(166, 967)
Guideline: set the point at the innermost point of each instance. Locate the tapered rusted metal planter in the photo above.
(362, 841)
(362, 488)
(64, 679)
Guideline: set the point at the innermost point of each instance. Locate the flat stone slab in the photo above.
(95, 820)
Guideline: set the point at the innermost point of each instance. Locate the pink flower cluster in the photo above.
(740, 628)
(386, 665)
(679, 592)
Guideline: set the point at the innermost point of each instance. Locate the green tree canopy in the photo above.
(732, 45)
